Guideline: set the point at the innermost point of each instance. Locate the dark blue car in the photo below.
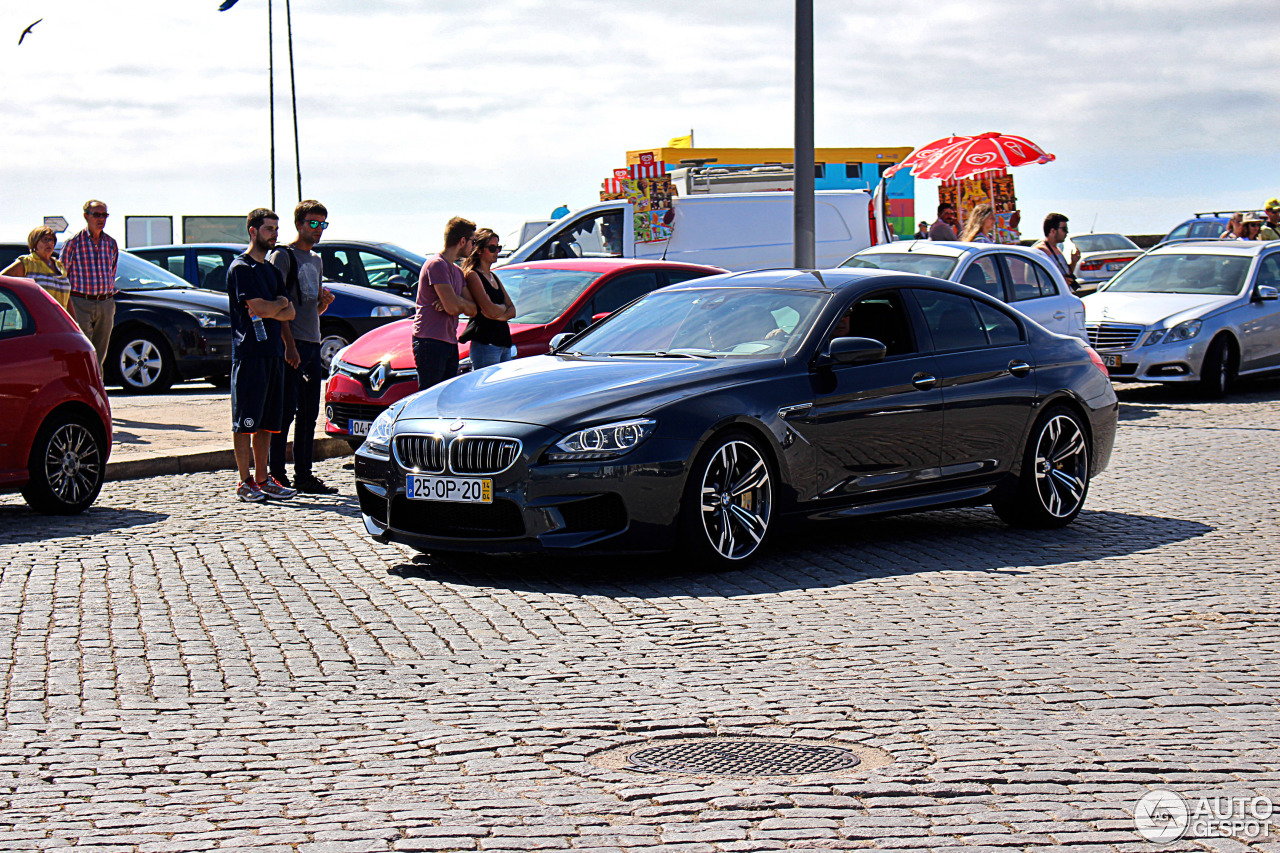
(355, 309)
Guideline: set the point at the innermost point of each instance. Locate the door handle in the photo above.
(1019, 368)
(924, 381)
(1059, 315)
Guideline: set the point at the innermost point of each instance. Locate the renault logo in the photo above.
(378, 377)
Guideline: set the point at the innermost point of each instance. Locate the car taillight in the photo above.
(1097, 361)
(1097, 265)
(871, 219)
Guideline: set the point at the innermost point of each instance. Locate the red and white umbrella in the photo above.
(960, 157)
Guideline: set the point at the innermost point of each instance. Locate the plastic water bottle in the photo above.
(259, 328)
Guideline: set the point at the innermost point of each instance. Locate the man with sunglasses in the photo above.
(90, 258)
(1055, 234)
(442, 298)
(302, 271)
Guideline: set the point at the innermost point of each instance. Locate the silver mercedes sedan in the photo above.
(1191, 312)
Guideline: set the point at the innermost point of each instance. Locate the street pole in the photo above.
(805, 257)
(271, 88)
(293, 92)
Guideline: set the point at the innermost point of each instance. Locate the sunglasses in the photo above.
(99, 215)
(494, 247)
(316, 223)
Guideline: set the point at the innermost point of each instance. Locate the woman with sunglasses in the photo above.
(488, 332)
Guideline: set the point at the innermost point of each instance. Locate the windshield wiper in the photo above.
(662, 354)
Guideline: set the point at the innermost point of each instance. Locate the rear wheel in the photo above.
(66, 467)
(333, 337)
(1218, 370)
(1055, 474)
(727, 510)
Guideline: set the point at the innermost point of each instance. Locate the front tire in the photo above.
(1055, 474)
(727, 511)
(141, 362)
(1217, 371)
(67, 466)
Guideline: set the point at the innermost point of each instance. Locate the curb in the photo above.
(214, 460)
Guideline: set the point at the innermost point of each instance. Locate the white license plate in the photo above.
(1115, 267)
(1111, 360)
(425, 487)
(359, 427)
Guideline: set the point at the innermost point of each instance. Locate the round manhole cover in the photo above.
(743, 757)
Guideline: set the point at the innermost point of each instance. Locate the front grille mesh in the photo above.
(478, 455)
(345, 413)
(1112, 336)
(421, 453)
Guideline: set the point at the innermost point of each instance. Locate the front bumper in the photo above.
(627, 505)
(348, 398)
(1176, 362)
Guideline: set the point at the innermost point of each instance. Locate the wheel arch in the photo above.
(769, 442)
(82, 412)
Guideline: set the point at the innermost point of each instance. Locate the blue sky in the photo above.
(412, 112)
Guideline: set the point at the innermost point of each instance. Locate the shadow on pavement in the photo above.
(810, 555)
(19, 524)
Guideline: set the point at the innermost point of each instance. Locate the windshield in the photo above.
(1183, 272)
(133, 273)
(408, 258)
(1103, 243)
(934, 266)
(542, 295)
(707, 323)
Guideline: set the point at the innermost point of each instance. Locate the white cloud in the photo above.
(410, 112)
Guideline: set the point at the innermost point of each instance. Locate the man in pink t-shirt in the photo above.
(442, 298)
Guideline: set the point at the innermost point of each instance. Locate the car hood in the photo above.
(393, 343)
(368, 294)
(187, 299)
(550, 390)
(1147, 309)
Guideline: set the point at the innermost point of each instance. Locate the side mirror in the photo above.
(1266, 293)
(855, 351)
(559, 339)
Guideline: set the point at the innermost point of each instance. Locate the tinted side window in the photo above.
(622, 290)
(881, 317)
(378, 270)
(1026, 279)
(1269, 272)
(171, 261)
(341, 265)
(1181, 231)
(14, 319)
(1001, 329)
(982, 275)
(211, 267)
(1209, 230)
(953, 320)
(678, 276)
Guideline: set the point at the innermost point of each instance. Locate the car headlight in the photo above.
(1181, 332)
(379, 438)
(335, 362)
(602, 442)
(211, 319)
(391, 311)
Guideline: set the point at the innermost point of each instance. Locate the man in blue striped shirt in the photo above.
(90, 258)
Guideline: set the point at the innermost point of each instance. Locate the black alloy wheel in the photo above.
(140, 361)
(67, 466)
(1055, 474)
(728, 502)
(1217, 371)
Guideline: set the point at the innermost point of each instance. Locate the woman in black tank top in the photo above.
(488, 332)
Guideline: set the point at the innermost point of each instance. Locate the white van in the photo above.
(734, 231)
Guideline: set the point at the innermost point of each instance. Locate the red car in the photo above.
(550, 296)
(55, 421)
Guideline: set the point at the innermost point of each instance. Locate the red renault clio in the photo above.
(55, 421)
(550, 297)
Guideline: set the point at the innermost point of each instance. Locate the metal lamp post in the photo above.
(805, 253)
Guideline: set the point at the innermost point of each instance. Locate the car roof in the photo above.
(1215, 247)
(605, 265)
(238, 247)
(944, 248)
(818, 281)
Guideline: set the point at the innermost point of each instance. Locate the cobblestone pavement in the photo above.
(182, 672)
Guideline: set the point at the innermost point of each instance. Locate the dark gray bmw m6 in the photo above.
(700, 414)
